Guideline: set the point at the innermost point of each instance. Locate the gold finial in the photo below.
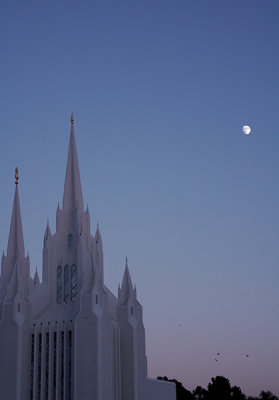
(72, 118)
(16, 176)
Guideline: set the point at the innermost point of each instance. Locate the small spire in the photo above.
(127, 287)
(16, 176)
(98, 236)
(72, 118)
(36, 278)
(126, 261)
(47, 232)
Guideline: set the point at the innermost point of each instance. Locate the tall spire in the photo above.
(16, 242)
(72, 198)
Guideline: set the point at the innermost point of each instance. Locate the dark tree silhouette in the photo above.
(264, 396)
(236, 394)
(268, 396)
(218, 389)
(200, 393)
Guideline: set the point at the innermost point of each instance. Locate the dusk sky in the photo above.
(160, 90)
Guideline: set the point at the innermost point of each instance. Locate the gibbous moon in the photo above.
(246, 129)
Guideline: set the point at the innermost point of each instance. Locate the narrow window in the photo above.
(70, 241)
(59, 284)
(46, 367)
(66, 283)
(70, 364)
(73, 282)
(54, 366)
(32, 366)
(39, 366)
(18, 307)
(62, 365)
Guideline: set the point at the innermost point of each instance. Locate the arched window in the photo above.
(59, 285)
(66, 283)
(73, 282)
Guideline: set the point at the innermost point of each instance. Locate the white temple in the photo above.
(69, 337)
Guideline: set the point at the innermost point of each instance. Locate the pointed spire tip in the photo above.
(72, 118)
(16, 176)
(72, 198)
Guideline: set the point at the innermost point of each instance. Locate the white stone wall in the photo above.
(159, 390)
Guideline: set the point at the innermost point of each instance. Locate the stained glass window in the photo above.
(73, 282)
(66, 283)
(59, 284)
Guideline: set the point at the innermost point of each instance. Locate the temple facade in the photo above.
(69, 337)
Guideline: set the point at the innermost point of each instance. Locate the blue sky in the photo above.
(160, 91)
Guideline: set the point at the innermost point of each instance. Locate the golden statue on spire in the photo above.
(16, 176)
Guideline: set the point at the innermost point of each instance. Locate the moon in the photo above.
(246, 129)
